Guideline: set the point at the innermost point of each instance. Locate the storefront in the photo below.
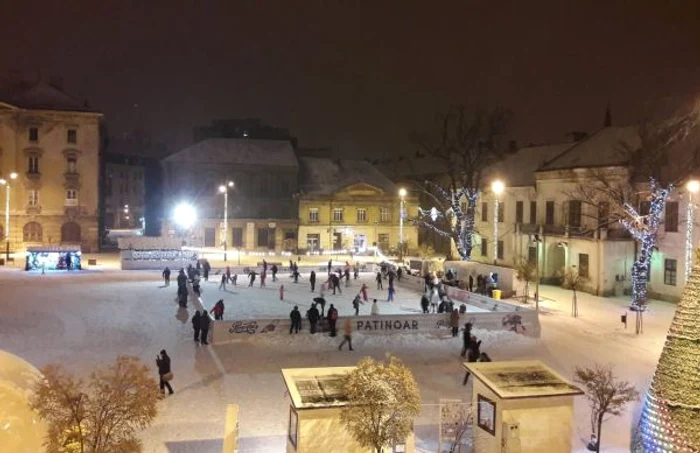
(53, 258)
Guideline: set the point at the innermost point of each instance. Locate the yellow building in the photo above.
(50, 144)
(350, 205)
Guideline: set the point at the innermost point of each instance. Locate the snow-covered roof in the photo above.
(603, 148)
(518, 169)
(238, 151)
(316, 387)
(40, 96)
(324, 176)
(521, 379)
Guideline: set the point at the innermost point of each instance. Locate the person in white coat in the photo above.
(375, 308)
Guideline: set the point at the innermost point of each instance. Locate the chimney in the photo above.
(56, 82)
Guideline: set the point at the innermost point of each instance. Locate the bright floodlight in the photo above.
(230, 183)
(497, 186)
(184, 215)
(2, 182)
(402, 192)
(693, 186)
(222, 189)
(13, 175)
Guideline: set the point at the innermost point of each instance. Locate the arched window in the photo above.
(70, 232)
(32, 232)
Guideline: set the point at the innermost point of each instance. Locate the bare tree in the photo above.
(383, 399)
(466, 144)
(525, 271)
(573, 280)
(634, 192)
(102, 415)
(606, 395)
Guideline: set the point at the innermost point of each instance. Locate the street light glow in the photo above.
(693, 186)
(184, 215)
(402, 192)
(498, 187)
(13, 175)
(2, 181)
(230, 183)
(222, 189)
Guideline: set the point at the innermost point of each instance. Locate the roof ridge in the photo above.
(569, 149)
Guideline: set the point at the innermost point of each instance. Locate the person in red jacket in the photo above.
(332, 319)
(218, 310)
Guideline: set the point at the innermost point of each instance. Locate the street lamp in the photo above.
(497, 188)
(184, 215)
(224, 190)
(692, 186)
(6, 183)
(402, 194)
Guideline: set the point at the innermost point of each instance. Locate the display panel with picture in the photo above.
(486, 414)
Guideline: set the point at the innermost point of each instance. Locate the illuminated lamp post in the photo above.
(402, 194)
(6, 183)
(692, 186)
(497, 187)
(224, 190)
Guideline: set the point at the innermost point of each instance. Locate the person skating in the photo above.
(399, 273)
(330, 266)
(182, 294)
(355, 271)
(424, 303)
(471, 283)
(274, 272)
(218, 310)
(322, 302)
(375, 308)
(390, 276)
(295, 275)
(312, 280)
(356, 304)
(195, 286)
(483, 357)
(166, 276)
(466, 338)
(454, 322)
(262, 279)
(206, 268)
(347, 334)
(264, 265)
(222, 285)
(234, 279)
(332, 319)
(228, 274)
(295, 316)
(164, 373)
(313, 317)
(196, 325)
(181, 279)
(251, 277)
(347, 276)
(204, 323)
(335, 282)
(392, 291)
(363, 291)
(379, 281)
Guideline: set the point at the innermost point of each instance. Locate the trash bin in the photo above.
(497, 294)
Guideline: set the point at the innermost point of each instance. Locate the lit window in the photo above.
(72, 136)
(33, 198)
(313, 215)
(71, 197)
(361, 214)
(384, 215)
(33, 164)
(337, 215)
(670, 272)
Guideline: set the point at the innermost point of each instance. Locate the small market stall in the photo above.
(521, 406)
(57, 257)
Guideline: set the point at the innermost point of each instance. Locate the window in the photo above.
(33, 198)
(501, 212)
(671, 217)
(484, 247)
(32, 232)
(263, 237)
(210, 237)
(33, 166)
(519, 212)
(575, 213)
(33, 134)
(500, 250)
(383, 240)
(670, 272)
(72, 136)
(533, 213)
(549, 213)
(603, 214)
(361, 215)
(71, 197)
(313, 215)
(337, 214)
(72, 165)
(288, 235)
(237, 237)
(484, 211)
(583, 265)
(384, 215)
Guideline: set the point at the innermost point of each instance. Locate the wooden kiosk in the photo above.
(314, 414)
(521, 407)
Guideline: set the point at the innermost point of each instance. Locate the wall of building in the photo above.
(124, 195)
(53, 178)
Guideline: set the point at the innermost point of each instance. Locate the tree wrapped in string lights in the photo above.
(466, 143)
(670, 421)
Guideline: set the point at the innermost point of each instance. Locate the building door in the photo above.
(360, 242)
(313, 242)
(337, 241)
(237, 237)
(210, 237)
(271, 238)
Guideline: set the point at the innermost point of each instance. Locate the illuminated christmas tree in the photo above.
(670, 421)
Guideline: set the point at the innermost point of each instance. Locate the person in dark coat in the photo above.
(483, 357)
(313, 316)
(471, 283)
(332, 319)
(204, 323)
(347, 276)
(274, 272)
(379, 281)
(196, 325)
(312, 280)
(206, 268)
(218, 310)
(166, 276)
(347, 334)
(251, 276)
(356, 304)
(424, 303)
(163, 363)
(222, 285)
(264, 266)
(322, 302)
(182, 296)
(295, 316)
(330, 266)
(295, 275)
(466, 338)
(181, 278)
(399, 273)
(454, 322)
(335, 282)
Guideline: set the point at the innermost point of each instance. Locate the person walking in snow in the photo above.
(379, 281)
(274, 272)
(332, 319)
(222, 285)
(391, 277)
(295, 316)
(363, 291)
(312, 280)
(166, 276)
(251, 276)
(196, 325)
(454, 322)
(219, 310)
(335, 282)
(313, 316)
(347, 334)
(347, 276)
(164, 372)
(356, 304)
(390, 298)
(375, 308)
(204, 323)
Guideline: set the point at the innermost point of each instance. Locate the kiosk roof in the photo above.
(521, 379)
(316, 387)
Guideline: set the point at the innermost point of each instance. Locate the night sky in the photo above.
(353, 75)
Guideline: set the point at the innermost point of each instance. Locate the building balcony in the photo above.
(72, 177)
(34, 209)
(529, 228)
(33, 175)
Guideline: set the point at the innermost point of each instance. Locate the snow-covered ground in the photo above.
(85, 319)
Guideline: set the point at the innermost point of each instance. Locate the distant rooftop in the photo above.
(241, 151)
(39, 95)
(518, 169)
(316, 387)
(325, 176)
